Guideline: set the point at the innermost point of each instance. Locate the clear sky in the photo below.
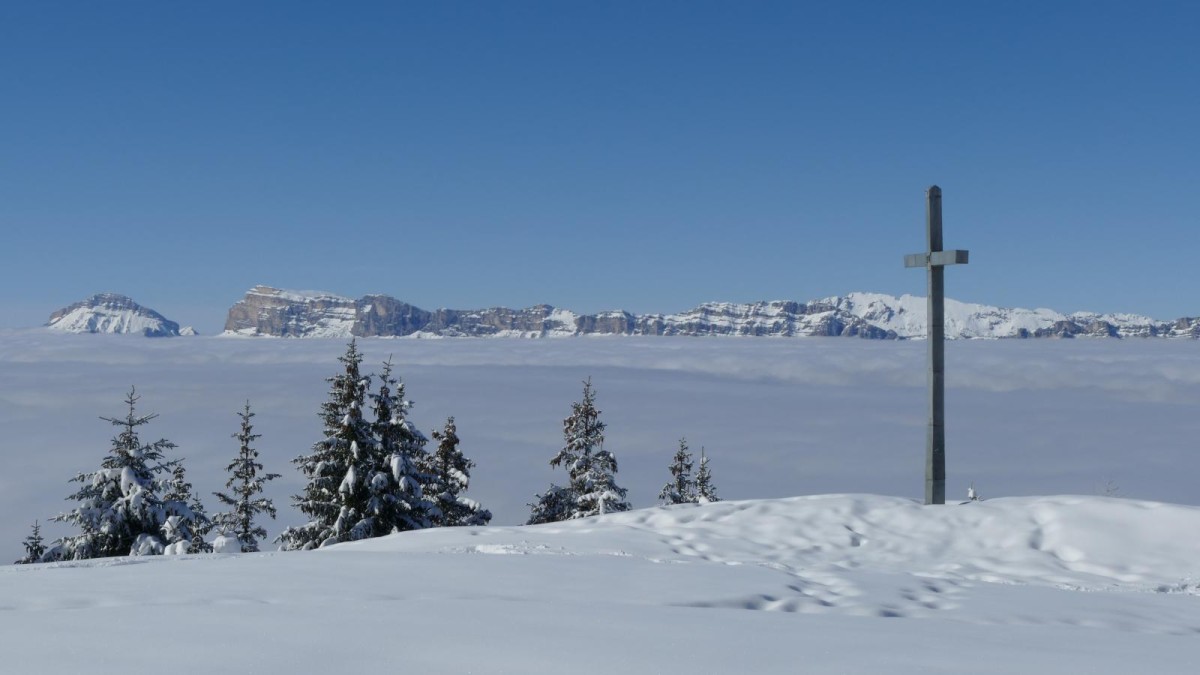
(597, 155)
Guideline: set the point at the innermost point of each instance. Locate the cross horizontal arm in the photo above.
(936, 258)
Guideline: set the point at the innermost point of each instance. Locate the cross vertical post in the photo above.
(934, 261)
(935, 443)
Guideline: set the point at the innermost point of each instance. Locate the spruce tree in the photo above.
(34, 546)
(119, 509)
(186, 520)
(592, 489)
(451, 476)
(336, 497)
(397, 478)
(681, 489)
(705, 490)
(245, 484)
(554, 505)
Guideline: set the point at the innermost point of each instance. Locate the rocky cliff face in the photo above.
(271, 311)
(287, 314)
(762, 319)
(1187, 327)
(113, 313)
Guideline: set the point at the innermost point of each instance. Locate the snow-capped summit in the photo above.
(113, 313)
(905, 316)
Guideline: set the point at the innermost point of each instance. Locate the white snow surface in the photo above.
(292, 295)
(335, 322)
(561, 322)
(823, 584)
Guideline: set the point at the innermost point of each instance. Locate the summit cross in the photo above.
(934, 260)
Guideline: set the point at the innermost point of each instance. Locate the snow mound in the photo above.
(1074, 542)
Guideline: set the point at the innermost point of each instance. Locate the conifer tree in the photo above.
(245, 484)
(681, 489)
(34, 546)
(119, 509)
(592, 489)
(705, 490)
(554, 505)
(186, 520)
(396, 484)
(451, 476)
(336, 497)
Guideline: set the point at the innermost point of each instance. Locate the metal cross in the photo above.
(934, 261)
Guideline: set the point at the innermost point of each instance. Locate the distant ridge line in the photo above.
(269, 311)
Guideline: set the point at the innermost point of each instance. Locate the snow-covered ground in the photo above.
(847, 583)
(825, 584)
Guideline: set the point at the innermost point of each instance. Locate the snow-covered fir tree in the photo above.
(397, 499)
(35, 547)
(245, 485)
(186, 520)
(592, 489)
(119, 511)
(705, 490)
(450, 476)
(554, 505)
(681, 489)
(336, 497)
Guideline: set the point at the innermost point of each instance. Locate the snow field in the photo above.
(844, 583)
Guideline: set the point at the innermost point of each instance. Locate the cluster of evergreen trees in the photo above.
(683, 489)
(370, 475)
(139, 502)
(591, 487)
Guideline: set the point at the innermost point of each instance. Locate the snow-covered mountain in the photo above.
(114, 313)
(905, 316)
(271, 311)
(275, 312)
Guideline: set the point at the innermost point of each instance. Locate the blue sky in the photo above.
(645, 155)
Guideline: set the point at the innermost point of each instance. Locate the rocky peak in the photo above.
(113, 313)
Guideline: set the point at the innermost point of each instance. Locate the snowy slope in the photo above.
(113, 313)
(826, 584)
(906, 316)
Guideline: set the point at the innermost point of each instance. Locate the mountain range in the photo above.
(267, 311)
